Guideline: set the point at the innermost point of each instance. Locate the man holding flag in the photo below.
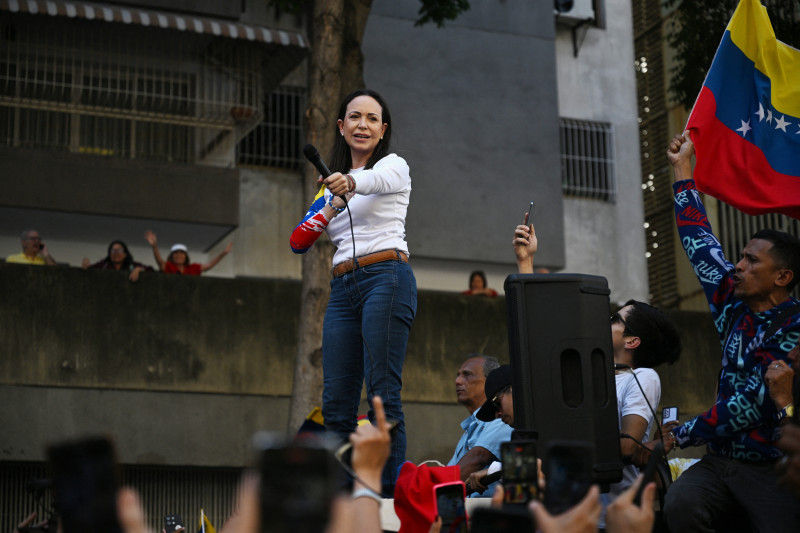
(758, 324)
(746, 134)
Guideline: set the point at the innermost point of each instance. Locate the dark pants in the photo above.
(718, 494)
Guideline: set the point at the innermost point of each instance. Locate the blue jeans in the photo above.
(364, 338)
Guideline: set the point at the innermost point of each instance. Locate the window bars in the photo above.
(587, 159)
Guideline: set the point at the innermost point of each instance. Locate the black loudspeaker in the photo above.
(562, 362)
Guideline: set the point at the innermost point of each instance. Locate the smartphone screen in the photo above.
(668, 414)
(520, 472)
(568, 473)
(451, 507)
(85, 485)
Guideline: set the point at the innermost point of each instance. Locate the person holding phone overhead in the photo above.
(34, 251)
(373, 297)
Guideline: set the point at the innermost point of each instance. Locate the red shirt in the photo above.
(193, 269)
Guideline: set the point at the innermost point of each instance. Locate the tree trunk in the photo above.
(336, 69)
(324, 88)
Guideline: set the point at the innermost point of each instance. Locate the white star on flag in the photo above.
(769, 115)
(760, 112)
(745, 128)
(781, 124)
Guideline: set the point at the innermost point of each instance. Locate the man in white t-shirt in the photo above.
(642, 338)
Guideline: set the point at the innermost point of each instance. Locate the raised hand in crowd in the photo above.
(679, 154)
(152, 240)
(624, 516)
(245, 517)
(525, 246)
(582, 518)
(130, 512)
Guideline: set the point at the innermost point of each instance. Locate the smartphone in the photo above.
(450, 505)
(297, 484)
(669, 414)
(650, 471)
(568, 474)
(505, 520)
(520, 472)
(529, 220)
(41, 246)
(85, 481)
(173, 522)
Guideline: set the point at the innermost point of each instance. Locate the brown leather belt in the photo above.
(369, 259)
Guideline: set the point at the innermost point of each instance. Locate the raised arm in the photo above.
(150, 237)
(525, 246)
(679, 154)
(211, 264)
(317, 218)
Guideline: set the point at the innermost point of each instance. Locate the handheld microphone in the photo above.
(312, 154)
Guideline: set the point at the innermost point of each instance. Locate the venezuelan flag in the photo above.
(745, 123)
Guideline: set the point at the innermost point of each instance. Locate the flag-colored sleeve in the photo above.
(311, 227)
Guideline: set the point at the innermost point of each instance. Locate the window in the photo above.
(587, 159)
(276, 142)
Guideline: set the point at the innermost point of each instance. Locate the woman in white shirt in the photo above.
(373, 299)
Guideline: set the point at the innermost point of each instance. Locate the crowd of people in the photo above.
(757, 320)
(119, 258)
(749, 478)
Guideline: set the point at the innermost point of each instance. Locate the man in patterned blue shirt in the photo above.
(758, 324)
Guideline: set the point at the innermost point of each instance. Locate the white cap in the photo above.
(179, 247)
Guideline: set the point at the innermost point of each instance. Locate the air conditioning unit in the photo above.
(582, 12)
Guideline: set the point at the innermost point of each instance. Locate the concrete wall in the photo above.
(604, 238)
(475, 107)
(182, 371)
